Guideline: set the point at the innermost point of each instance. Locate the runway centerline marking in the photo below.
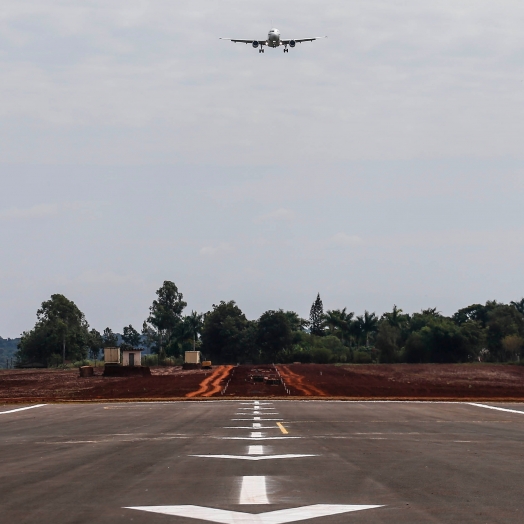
(496, 408)
(255, 450)
(282, 516)
(253, 491)
(22, 409)
(282, 428)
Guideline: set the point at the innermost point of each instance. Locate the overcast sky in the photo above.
(381, 166)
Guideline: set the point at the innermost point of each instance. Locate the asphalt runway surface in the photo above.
(263, 462)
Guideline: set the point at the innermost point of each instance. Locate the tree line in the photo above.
(492, 332)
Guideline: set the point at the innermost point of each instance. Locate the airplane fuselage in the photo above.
(273, 38)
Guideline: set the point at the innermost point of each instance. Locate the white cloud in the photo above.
(49, 210)
(344, 240)
(215, 250)
(108, 278)
(38, 211)
(277, 216)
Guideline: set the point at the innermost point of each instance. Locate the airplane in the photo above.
(274, 40)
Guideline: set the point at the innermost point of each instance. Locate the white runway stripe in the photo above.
(22, 409)
(254, 438)
(496, 408)
(254, 458)
(253, 491)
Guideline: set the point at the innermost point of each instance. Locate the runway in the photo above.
(264, 462)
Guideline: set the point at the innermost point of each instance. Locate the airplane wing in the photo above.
(260, 42)
(300, 40)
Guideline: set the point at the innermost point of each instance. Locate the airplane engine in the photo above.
(292, 43)
(255, 44)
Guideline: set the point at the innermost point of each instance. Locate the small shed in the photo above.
(192, 357)
(131, 357)
(112, 355)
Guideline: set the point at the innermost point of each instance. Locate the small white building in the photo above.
(112, 355)
(132, 357)
(192, 357)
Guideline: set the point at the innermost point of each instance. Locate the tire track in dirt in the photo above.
(297, 382)
(212, 384)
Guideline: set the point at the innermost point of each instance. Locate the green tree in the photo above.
(316, 317)
(295, 322)
(396, 318)
(273, 334)
(502, 321)
(131, 338)
(475, 312)
(109, 338)
(60, 328)
(339, 323)
(519, 306)
(95, 343)
(368, 324)
(165, 316)
(387, 342)
(194, 322)
(227, 335)
(513, 346)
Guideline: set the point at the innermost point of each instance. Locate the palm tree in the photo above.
(332, 319)
(367, 324)
(194, 322)
(395, 318)
(519, 306)
(431, 312)
(339, 322)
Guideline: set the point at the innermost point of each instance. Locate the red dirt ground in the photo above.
(396, 381)
(241, 383)
(411, 381)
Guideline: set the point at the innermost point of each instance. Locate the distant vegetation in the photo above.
(492, 332)
(8, 348)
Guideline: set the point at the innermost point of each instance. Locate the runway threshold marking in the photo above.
(281, 516)
(22, 409)
(496, 408)
(282, 428)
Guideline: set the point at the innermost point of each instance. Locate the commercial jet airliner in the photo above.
(274, 40)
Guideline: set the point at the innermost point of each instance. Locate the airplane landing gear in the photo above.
(286, 50)
(260, 50)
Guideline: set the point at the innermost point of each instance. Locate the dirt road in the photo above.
(213, 384)
(298, 382)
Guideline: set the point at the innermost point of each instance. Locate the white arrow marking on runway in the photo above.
(282, 516)
(253, 491)
(244, 457)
